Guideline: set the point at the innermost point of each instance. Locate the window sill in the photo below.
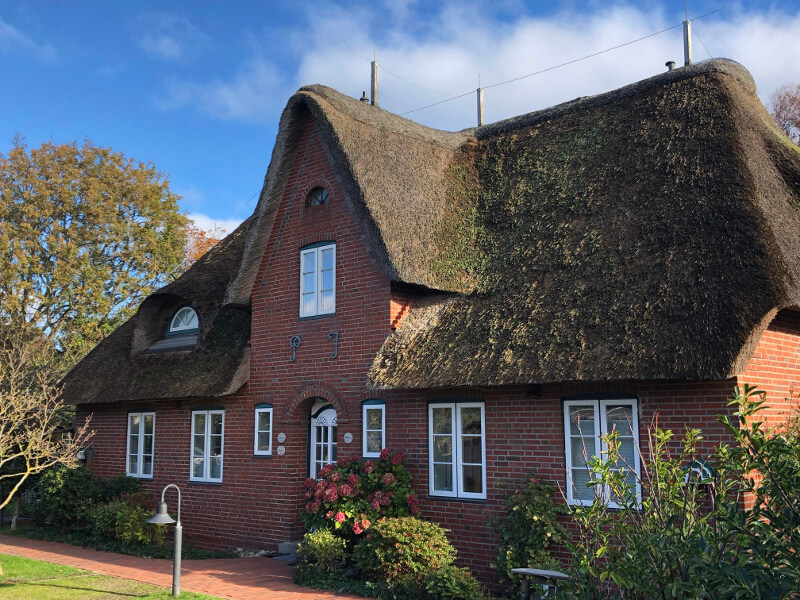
(313, 317)
(262, 455)
(211, 483)
(138, 476)
(455, 499)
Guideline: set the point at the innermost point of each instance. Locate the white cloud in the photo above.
(446, 52)
(169, 37)
(214, 226)
(14, 40)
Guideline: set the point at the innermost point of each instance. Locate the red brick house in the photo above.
(615, 257)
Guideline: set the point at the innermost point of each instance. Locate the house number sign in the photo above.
(348, 437)
(281, 450)
(281, 437)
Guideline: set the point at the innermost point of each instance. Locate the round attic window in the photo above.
(318, 196)
(183, 320)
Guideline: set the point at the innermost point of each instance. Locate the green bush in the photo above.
(320, 554)
(124, 522)
(452, 583)
(402, 549)
(528, 529)
(64, 496)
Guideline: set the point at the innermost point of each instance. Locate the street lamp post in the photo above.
(161, 517)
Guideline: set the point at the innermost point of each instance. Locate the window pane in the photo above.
(327, 259)
(147, 465)
(374, 441)
(199, 423)
(327, 280)
(148, 444)
(197, 467)
(580, 477)
(473, 479)
(199, 447)
(309, 303)
(442, 449)
(442, 478)
(133, 444)
(263, 421)
(442, 423)
(309, 262)
(134, 419)
(471, 449)
(216, 424)
(580, 455)
(308, 283)
(620, 418)
(470, 420)
(216, 468)
(215, 445)
(263, 442)
(581, 421)
(133, 464)
(374, 418)
(148, 423)
(627, 452)
(327, 301)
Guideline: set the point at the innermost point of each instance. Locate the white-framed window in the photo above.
(141, 434)
(262, 445)
(373, 419)
(208, 432)
(318, 280)
(457, 450)
(184, 320)
(586, 422)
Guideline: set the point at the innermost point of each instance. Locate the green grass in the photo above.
(26, 579)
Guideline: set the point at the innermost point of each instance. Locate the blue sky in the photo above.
(198, 87)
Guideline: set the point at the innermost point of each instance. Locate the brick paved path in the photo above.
(235, 578)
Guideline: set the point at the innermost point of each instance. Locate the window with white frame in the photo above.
(586, 422)
(208, 428)
(373, 420)
(318, 279)
(141, 431)
(457, 450)
(263, 435)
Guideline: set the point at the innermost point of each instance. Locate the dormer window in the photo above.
(318, 196)
(184, 320)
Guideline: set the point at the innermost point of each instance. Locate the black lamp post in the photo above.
(161, 517)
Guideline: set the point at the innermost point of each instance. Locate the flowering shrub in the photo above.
(351, 495)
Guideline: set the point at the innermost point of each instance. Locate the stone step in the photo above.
(288, 547)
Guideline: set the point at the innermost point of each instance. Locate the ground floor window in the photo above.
(586, 422)
(322, 445)
(141, 431)
(208, 428)
(457, 450)
(262, 445)
(374, 427)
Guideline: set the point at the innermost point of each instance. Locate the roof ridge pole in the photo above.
(687, 42)
(373, 90)
(479, 91)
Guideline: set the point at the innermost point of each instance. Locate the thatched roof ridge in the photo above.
(648, 233)
(118, 368)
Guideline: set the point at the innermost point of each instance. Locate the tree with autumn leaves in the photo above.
(85, 234)
(784, 106)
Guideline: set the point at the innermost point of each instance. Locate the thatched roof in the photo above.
(120, 368)
(647, 233)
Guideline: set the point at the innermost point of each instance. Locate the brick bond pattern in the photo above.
(258, 503)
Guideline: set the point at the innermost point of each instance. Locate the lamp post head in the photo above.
(161, 517)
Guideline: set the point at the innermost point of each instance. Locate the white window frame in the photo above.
(364, 408)
(183, 328)
(140, 446)
(317, 251)
(259, 411)
(457, 464)
(206, 447)
(600, 407)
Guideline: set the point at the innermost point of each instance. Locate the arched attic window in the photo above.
(181, 333)
(318, 196)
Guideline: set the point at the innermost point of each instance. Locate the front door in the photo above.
(322, 450)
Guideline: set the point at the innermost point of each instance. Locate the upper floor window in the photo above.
(318, 279)
(318, 196)
(141, 430)
(586, 423)
(457, 450)
(184, 320)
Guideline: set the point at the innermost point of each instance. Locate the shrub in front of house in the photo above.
(320, 556)
(351, 495)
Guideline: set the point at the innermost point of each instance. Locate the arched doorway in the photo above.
(322, 439)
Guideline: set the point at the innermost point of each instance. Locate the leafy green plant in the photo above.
(528, 528)
(320, 554)
(403, 548)
(452, 583)
(350, 496)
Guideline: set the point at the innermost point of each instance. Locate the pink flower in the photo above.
(310, 482)
(330, 494)
(385, 454)
(324, 470)
(318, 493)
(375, 504)
(355, 458)
(388, 479)
(309, 507)
(398, 458)
(369, 466)
(386, 500)
(352, 479)
(334, 477)
(339, 517)
(365, 524)
(357, 529)
(309, 493)
(413, 510)
(316, 505)
(329, 514)
(345, 490)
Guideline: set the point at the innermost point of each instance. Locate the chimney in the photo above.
(480, 106)
(374, 86)
(365, 99)
(670, 65)
(687, 43)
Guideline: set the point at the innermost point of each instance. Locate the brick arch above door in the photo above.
(318, 390)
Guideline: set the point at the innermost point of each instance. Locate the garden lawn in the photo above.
(27, 579)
